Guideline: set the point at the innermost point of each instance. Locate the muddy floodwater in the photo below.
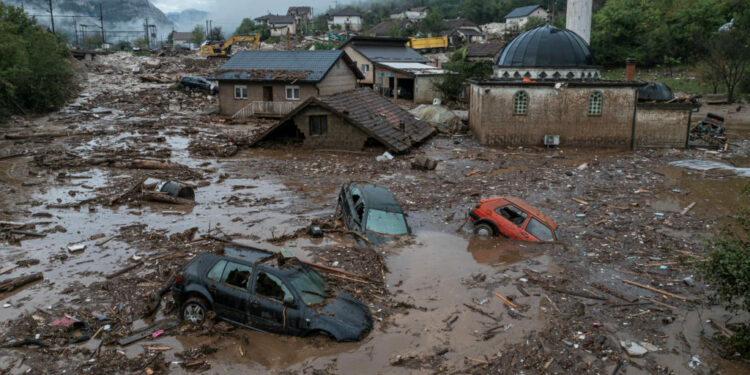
(78, 206)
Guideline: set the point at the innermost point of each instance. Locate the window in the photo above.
(365, 68)
(217, 270)
(237, 275)
(520, 103)
(539, 230)
(311, 287)
(271, 287)
(386, 222)
(240, 92)
(596, 99)
(513, 214)
(318, 125)
(292, 93)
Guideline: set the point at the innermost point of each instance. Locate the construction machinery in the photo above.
(434, 43)
(225, 50)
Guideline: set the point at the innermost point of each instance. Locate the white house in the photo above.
(347, 19)
(279, 25)
(518, 17)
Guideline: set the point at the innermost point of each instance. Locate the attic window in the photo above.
(520, 103)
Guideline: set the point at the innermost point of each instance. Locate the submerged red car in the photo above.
(511, 217)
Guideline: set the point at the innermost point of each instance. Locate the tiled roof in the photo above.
(384, 27)
(274, 19)
(301, 66)
(179, 35)
(348, 12)
(299, 10)
(522, 11)
(484, 49)
(375, 115)
(455, 23)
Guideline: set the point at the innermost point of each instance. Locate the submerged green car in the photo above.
(372, 211)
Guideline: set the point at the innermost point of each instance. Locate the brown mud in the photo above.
(437, 309)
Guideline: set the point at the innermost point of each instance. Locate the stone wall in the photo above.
(662, 125)
(341, 134)
(559, 111)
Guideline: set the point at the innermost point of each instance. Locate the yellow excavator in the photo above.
(224, 50)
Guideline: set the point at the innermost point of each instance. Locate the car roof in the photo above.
(532, 210)
(379, 198)
(254, 256)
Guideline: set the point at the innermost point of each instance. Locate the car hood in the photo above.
(348, 311)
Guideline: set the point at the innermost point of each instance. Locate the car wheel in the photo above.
(483, 229)
(194, 310)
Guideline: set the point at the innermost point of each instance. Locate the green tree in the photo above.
(534, 22)
(35, 75)
(215, 34)
(249, 27)
(433, 23)
(728, 58)
(170, 37)
(622, 29)
(199, 36)
(459, 70)
(728, 273)
(479, 11)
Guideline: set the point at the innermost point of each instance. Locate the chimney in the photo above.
(437, 63)
(630, 69)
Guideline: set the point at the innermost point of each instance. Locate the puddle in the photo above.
(499, 251)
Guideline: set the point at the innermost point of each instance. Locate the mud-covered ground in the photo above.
(74, 178)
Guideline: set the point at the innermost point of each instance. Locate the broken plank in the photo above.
(158, 348)
(130, 190)
(196, 363)
(27, 233)
(146, 332)
(126, 269)
(511, 304)
(722, 328)
(165, 198)
(686, 209)
(480, 311)
(581, 201)
(655, 290)
(619, 295)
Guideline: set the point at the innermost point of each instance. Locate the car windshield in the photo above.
(385, 222)
(539, 230)
(311, 287)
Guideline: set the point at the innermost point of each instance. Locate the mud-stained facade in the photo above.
(496, 116)
(229, 104)
(339, 134)
(662, 125)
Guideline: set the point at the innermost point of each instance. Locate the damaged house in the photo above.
(273, 83)
(546, 91)
(366, 51)
(351, 120)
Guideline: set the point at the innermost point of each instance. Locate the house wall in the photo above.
(339, 79)
(662, 125)
(282, 31)
(424, 90)
(341, 134)
(360, 59)
(354, 22)
(562, 112)
(228, 105)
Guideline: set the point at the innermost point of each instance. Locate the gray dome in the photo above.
(547, 46)
(655, 91)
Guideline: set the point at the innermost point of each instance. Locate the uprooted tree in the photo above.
(35, 75)
(728, 272)
(459, 70)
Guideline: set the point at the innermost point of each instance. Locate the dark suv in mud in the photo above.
(267, 293)
(372, 211)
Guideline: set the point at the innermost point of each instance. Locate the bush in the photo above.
(728, 272)
(35, 75)
(459, 70)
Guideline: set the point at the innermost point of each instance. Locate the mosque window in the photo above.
(520, 102)
(596, 99)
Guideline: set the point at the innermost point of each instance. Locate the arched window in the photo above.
(520, 103)
(596, 99)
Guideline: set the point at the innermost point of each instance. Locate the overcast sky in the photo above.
(229, 13)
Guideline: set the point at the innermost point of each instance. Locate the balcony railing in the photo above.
(265, 109)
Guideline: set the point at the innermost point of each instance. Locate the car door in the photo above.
(357, 204)
(514, 220)
(267, 309)
(231, 293)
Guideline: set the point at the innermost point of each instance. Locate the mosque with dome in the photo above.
(546, 90)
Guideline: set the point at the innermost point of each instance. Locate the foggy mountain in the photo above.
(186, 20)
(123, 19)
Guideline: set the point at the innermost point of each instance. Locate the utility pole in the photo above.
(145, 29)
(101, 22)
(75, 30)
(51, 17)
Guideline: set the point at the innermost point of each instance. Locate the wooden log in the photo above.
(130, 190)
(27, 233)
(126, 269)
(158, 295)
(165, 198)
(15, 283)
(619, 295)
(480, 311)
(152, 164)
(655, 290)
(686, 209)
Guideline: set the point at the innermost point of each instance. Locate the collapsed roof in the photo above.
(378, 117)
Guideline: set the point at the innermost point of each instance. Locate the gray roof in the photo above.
(300, 66)
(522, 11)
(179, 35)
(274, 18)
(376, 53)
(348, 12)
